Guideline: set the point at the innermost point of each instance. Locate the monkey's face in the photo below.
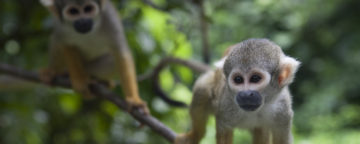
(82, 16)
(247, 87)
(256, 69)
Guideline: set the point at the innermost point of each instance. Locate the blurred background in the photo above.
(323, 34)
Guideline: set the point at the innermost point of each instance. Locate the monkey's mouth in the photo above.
(249, 107)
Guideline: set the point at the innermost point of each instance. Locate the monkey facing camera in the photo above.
(249, 90)
(81, 16)
(88, 43)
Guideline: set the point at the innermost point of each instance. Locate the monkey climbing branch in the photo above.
(99, 91)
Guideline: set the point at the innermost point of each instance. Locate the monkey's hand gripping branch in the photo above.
(99, 91)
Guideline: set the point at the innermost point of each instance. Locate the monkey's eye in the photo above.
(73, 11)
(88, 8)
(255, 78)
(238, 80)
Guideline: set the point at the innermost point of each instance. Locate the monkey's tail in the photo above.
(157, 89)
(154, 75)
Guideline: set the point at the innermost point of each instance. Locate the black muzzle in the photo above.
(83, 25)
(249, 100)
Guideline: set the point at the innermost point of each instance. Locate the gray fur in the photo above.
(214, 93)
(261, 53)
(98, 46)
(60, 5)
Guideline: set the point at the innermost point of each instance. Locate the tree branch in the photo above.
(204, 33)
(99, 91)
(151, 4)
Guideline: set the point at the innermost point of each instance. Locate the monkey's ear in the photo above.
(50, 5)
(288, 68)
(47, 3)
(220, 63)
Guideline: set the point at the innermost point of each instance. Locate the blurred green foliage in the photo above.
(323, 34)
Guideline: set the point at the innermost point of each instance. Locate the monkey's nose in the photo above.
(83, 25)
(249, 100)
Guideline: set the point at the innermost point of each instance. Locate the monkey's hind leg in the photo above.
(199, 112)
(126, 68)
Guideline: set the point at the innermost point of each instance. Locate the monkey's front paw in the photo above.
(85, 92)
(111, 84)
(182, 139)
(137, 104)
(83, 88)
(47, 75)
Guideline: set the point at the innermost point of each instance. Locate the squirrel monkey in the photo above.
(88, 41)
(248, 90)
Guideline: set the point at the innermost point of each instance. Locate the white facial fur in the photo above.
(81, 11)
(47, 3)
(247, 85)
(220, 63)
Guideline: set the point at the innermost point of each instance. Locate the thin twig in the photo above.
(99, 91)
